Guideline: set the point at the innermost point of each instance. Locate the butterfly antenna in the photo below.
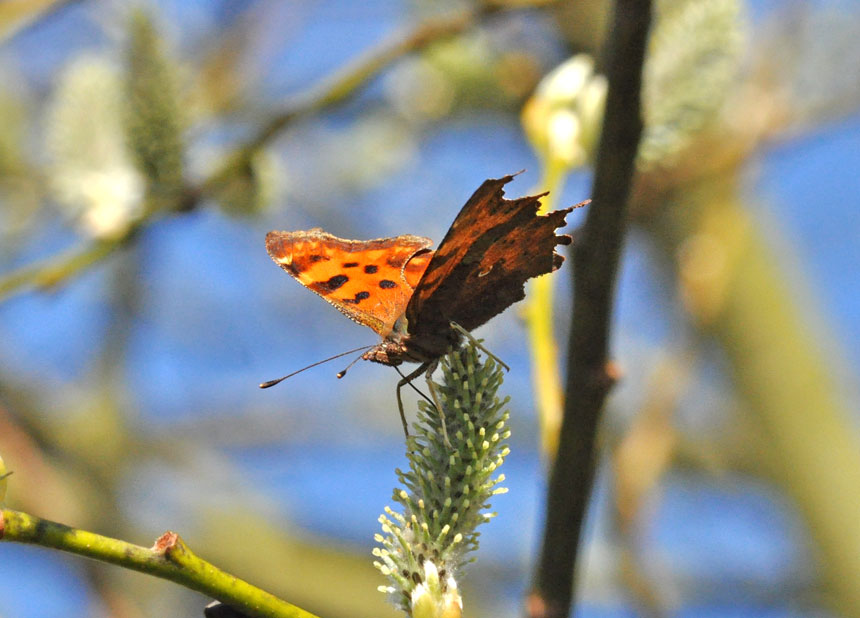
(271, 383)
(342, 373)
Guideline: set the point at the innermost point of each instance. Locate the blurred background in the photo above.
(145, 150)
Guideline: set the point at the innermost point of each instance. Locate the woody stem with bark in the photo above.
(597, 253)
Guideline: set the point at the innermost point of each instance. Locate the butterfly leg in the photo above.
(428, 375)
(403, 382)
(477, 343)
(427, 369)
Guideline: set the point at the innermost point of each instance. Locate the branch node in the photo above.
(166, 542)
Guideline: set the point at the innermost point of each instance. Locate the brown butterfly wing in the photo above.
(370, 281)
(493, 247)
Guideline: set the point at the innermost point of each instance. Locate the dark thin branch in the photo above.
(596, 257)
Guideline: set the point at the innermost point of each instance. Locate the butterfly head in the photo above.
(391, 351)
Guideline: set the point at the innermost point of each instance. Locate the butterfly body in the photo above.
(410, 294)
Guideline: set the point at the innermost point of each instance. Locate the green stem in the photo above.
(546, 375)
(56, 269)
(170, 558)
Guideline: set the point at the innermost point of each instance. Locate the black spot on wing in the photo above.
(387, 284)
(360, 296)
(371, 268)
(327, 287)
(318, 258)
(350, 264)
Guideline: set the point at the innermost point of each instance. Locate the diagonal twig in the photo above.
(170, 558)
(596, 257)
(351, 78)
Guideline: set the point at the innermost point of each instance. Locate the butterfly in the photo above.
(419, 300)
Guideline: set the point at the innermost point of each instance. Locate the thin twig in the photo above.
(596, 256)
(170, 558)
(350, 79)
(56, 269)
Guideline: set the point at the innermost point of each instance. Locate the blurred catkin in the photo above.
(693, 58)
(153, 120)
(91, 173)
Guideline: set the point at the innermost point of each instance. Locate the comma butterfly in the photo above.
(420, 300)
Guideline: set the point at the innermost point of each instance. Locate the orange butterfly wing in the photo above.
(370, 281)
(479, 269)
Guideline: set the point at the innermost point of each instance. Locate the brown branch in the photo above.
(596, 256)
